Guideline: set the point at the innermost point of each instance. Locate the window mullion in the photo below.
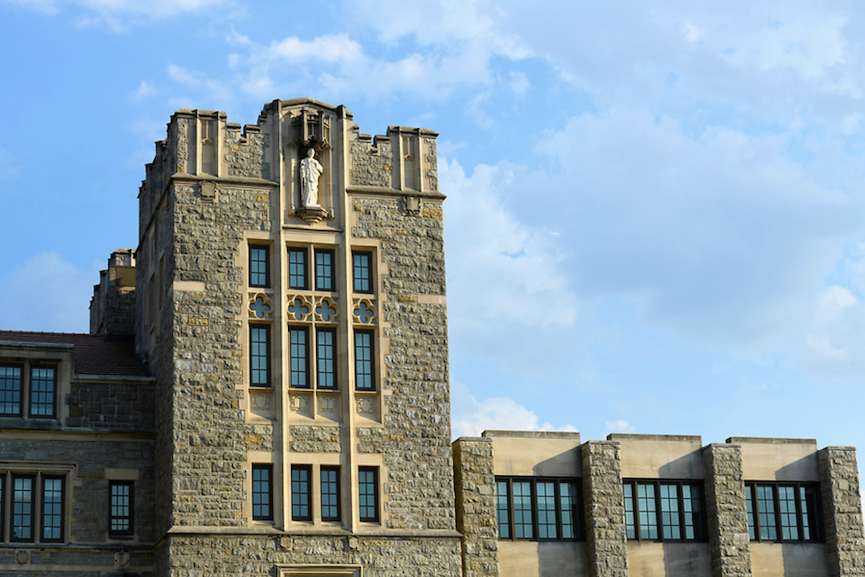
(779, 530)
(511, 524)
(797, 499)
(636, 499)
(557, 503)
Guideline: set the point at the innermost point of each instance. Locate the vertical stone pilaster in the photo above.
(606, 538)
(842, 511)
(725, 503)
(475, 482)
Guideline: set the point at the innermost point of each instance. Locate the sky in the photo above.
(655, 219)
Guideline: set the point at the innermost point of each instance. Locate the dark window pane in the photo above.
(330, 494)
(368, 493)
(648, 511)
(362, 272)
(52, 509)
(523, 522)
(262, 492)
(300, 493)
(787, 511)
(259, 355)
(630, 512)
(503, 510)
(766, 509)
(546, 499)
(692, 506)
(120, 508)
(299, 354)
(324, 279)
(42, 391)
(297, 268)
(259, 266)
(22, 508)
(326, 358)
(363, 361)
(670, 512)
(10, 390)
(568, 508)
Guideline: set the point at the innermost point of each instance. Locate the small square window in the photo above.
(324, 270)
(10, 390)
(297, 268)
(259, 266)
(42, 391)
(362, 272)
(262, 492)
(367, 486)
(301, 498)
(121, 508)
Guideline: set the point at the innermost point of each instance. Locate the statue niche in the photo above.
(311, 169)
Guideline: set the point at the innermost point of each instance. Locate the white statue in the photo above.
(310, 170)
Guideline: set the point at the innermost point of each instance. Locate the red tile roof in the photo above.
(94, 354)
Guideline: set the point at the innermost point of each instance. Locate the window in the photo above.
(324, 269)
(262, 492)
(10, 390)
(42, 387)
(367, 487)
(330, 507)
(363, 360)
(41, 398)
(52, 509)
(362, 272)
(22, 507)
(121, 508)
(537, 508)
(664, 510)
(301, 499)
(259, 266)
(259, 355)
(783, 511)
(299, 355)
(297, 268)
(326, 358)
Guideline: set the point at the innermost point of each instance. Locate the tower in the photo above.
(291, 305)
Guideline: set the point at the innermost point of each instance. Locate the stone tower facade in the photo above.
(291, 305)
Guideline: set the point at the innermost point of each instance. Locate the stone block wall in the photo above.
(474, 478)
(725, 504)
(125, 405)
(604, 509)
(842, 511)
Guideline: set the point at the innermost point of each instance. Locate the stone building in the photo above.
(265, 393)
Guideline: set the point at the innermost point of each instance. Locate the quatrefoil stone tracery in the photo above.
(326, 310)
(298, 308)
(260, 306)
(364, 312)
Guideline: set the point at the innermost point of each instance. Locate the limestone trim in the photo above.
(373, 191)
(320, 571)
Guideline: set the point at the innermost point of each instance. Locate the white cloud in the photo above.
(470, 418)
(619, 426)
(145, 90)
(47, 293)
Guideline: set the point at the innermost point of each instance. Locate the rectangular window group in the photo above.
(664, 510)
(40, 400)
(537, 508)
(262, 492)
(362, 272)
(324, 268)
(259, 355)
(37, 508)
(783, 511)
(302, 493)
(325, 357)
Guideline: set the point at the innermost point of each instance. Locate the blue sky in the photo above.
(655, 216)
